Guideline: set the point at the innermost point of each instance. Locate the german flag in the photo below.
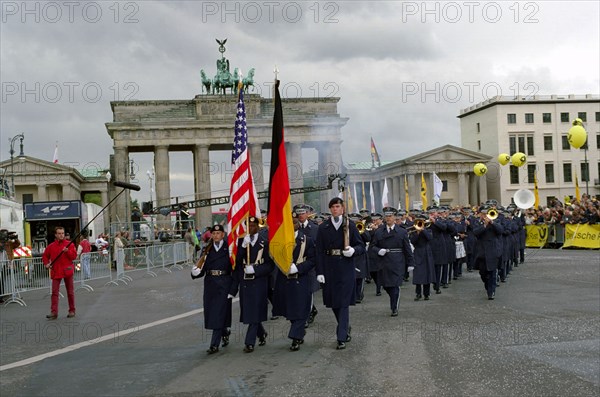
(279, 216)
(374, 154)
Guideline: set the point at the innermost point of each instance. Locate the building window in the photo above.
(528, 118)
(514, 175)
(565, 142)
(597, 141)
(478, 127)
(512, 143)
(582, 116)
(549, 169)
(564, 117)
(521, 143)
(548, 142)
(567, 172)
(511, 118)
(530, 173)
(530, 145)
(27, 198)
(585, 174)
(479, 146)
(547, 117)
(597, 116)
(444, 186)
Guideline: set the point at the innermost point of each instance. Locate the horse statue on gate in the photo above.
(248, 80)
(223, 78)
(206, 82)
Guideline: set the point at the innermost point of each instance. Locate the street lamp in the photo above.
(21, 157)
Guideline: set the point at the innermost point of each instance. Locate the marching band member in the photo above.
(251, 279)
(402, 220)
(293, 292)
(438, 246)
(394, 255)
(488, 250)
(338, 241)
(310, 229)
(424, 271)
(215, 265)
(372, 260)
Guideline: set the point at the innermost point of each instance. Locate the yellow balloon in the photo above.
(518, 159)
(503, 158)
(577, 136)
(479, 169)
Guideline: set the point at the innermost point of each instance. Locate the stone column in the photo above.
(66, 191)
(202, 186)
(473, 196)
(412, 189)
(294, 166)
(398, 196)
(42, 194)
(483, 188)
(121, 163)
(163, 186)
(104, 198)
(463, 192)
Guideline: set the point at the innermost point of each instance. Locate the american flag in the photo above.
(243, 200)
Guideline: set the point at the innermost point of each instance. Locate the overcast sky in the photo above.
(403, 70)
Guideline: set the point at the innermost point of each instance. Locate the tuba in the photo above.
(524, 199)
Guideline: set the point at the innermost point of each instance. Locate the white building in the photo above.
(537, 126)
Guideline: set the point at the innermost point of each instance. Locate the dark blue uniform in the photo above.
(253, 288)
(293, 293)
(217, 284)
(339, 291)
(362, 269)
(438, 249)
(488, 253)
(424, 272)
(394, 262)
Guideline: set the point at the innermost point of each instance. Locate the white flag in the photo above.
(437, 189)
(372, 193)
(55, 159)
(384, 195)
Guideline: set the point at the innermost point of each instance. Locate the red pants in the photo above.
(70, 294)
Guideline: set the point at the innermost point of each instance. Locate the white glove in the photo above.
(293, 269)
(247, 241)
(411, 268)
(321, 279)
(382, 252)
(229, 296)
(249, 269)
(195, 271)
(348, 252)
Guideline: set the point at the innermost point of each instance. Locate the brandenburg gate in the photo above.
(206, 123)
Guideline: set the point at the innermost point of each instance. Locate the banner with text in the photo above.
(584, 236)
(537, 235)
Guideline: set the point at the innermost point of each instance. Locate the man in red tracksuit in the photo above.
(58, 257)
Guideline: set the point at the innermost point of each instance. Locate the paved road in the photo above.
(539, 337)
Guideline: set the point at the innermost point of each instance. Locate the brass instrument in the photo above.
(492, 214)
(360, 225)
(420, 224)
(202, 259)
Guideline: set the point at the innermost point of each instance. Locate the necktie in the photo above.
(336, 219)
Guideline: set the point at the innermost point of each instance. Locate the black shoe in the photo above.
(368, 280)
(306, 324)
(437, 291)
(444, 285)
(426, 297)
(406, 278)
(213, 349)
(418, 297)
(296, 344)
(359, 301)
(341, 345)
(225, 338)
(274, 317)
(395, 313)
(249, 349)
(455, 278)
(502, 280)
(263, 340)
(378, 293)
(52, 316)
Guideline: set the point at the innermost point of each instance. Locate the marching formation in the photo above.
(338, 253)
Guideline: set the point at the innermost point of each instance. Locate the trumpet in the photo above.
(492, 214)
(420, 224)
(360, 225)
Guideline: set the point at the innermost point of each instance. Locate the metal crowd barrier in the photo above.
(23, 275)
